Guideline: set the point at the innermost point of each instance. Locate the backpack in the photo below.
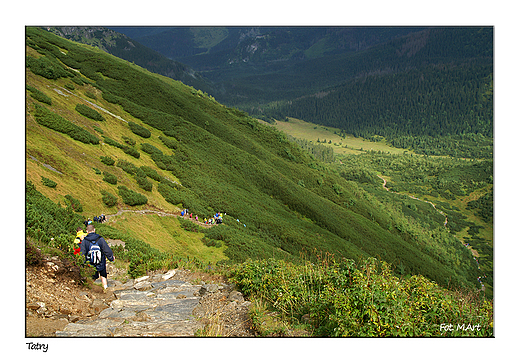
(94, 253)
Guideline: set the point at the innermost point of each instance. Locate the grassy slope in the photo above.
(227, 160)
(76, 161)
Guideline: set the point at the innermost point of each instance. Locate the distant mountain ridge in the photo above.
(256, 67)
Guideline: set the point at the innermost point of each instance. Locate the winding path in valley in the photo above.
(418, 199)
(473, 251)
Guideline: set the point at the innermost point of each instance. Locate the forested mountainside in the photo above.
(140, 139)
(252, 63)
(409, 107)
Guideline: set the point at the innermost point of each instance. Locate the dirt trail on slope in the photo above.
(418, 199)
(159, 213)
(473, 251)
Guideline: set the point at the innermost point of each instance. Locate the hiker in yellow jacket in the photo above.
(79, 237)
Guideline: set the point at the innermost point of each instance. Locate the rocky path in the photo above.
(177, 303)
(143, 307)
(161, 306)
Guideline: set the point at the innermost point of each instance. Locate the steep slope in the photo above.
(123, 47)
(278, 201)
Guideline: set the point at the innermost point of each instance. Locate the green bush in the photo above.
(131, 151)
(144, 183)
(189, 225)
(128, 140)
(110, 178)
(38, 95)
(108, 199)
(125, 148)
(56, 122)
(130, 197)
(128, 167)
(89, 112)
(48, 182)
(78, 80)
(45, 219)
(107, 160)
(47, 67)
(152, 173)
(112, 142)
(139, 130)
(179, 195)
(74, 203)
(365, 300)
(150, 149)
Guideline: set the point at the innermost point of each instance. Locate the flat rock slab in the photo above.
(145, 309)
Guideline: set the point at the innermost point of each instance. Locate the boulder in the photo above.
(137, 280)
(208, 288)
(236, 296)
(98, 305)
(35, 305)
(168, 274)
(143, 285)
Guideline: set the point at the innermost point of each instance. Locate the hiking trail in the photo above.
(110, 217)
(418, 199)
(473, 251)
(176, 303)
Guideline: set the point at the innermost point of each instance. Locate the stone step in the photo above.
(145, 308)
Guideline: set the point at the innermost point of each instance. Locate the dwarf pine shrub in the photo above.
(128, 140)
(144, 183)
(152, 173)
(47, 67)
(108, 199)
(130, 197)
(110, 178)
(74, 203)
(48, 182)
(38, 95)
(89, 112)
(107, 160)
(55, 122)
(139, 130)
(126, 166)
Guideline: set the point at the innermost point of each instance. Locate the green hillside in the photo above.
(123, 47)
(172, 147)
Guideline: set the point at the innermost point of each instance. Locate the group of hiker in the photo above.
(95, 250)
(101, 218)
(216, 219)
(480, 281)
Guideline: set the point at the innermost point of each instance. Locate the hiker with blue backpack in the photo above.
(96, 251)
